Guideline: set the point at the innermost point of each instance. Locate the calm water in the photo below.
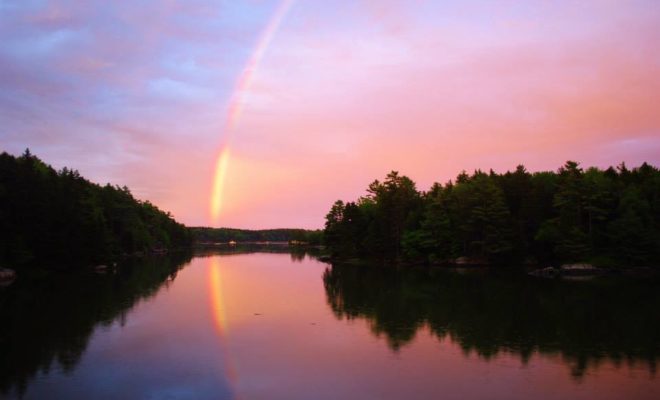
(285, 326)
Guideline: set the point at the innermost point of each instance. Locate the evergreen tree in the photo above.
(59, 218)
(610, 217)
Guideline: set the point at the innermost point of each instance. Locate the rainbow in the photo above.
(236, 105)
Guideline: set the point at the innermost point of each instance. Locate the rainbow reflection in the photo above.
(219, 315)
(217, 304)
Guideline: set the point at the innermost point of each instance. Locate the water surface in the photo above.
(285, 326)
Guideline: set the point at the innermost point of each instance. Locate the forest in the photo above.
(52, 218)
(610, 218)
(206, 235)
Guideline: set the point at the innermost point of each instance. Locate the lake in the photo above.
(281, 325)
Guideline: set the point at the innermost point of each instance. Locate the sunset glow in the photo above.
(314, 100)
(330, 199)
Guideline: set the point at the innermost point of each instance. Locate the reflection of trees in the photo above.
(47, 323)
(297, 253)
(584, 322)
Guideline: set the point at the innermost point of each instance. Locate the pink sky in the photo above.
(344, 93)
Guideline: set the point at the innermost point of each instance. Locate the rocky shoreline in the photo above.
(589, 270)
(575, 270)
(7, 276)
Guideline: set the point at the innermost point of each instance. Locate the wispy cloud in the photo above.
(136, 94)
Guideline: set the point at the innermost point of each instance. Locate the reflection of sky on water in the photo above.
(281, 340)
(167, 349)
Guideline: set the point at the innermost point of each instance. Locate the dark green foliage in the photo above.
(203, 235)
(608, 217)
(375, 225)
(58, 218)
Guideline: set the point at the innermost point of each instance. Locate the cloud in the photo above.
(177, 90)
(431, 105)
(136, 94)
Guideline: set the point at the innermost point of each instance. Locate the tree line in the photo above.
(59, 218)
(607, 217)
(206, 235)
